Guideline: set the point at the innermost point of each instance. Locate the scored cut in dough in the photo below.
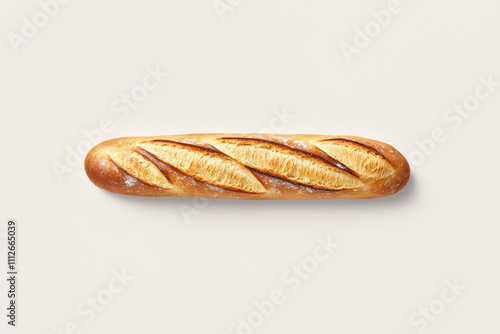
(358, 157)
(139, 167)
(205, 165)
(287, 163)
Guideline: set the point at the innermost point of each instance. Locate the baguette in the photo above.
(248, 166)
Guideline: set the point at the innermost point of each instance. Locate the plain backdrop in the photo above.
(200, 267)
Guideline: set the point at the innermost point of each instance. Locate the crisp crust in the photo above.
(248, 166)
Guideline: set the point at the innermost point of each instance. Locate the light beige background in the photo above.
(201, 273)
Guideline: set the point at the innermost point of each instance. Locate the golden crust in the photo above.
(360, 158)
(204, 165)
(248, 166)
(139, 167)
(287, 163)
